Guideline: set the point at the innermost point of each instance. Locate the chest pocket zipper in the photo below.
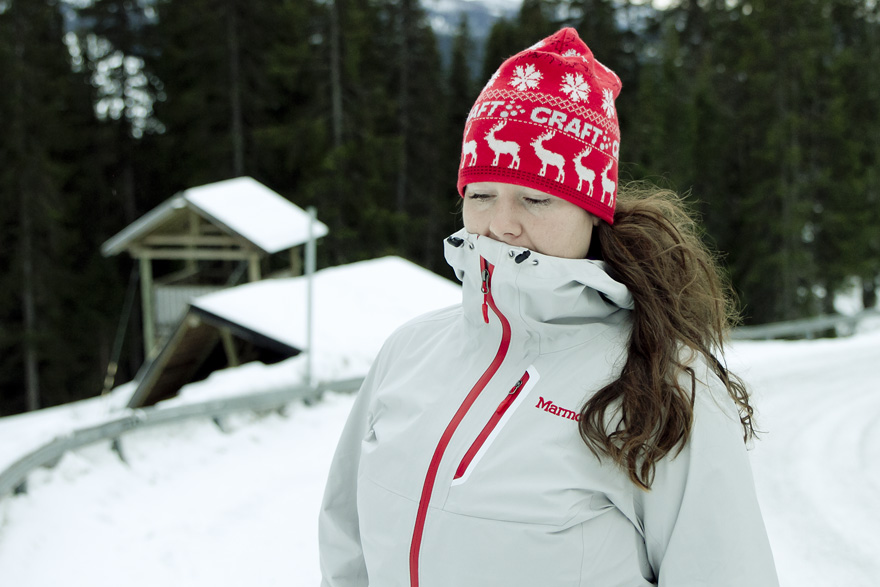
(492, 428)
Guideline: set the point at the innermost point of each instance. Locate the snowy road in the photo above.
(195, 506)
(818, 467)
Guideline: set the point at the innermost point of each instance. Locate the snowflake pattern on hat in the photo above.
(546, 119)
(608, 102)
(526, 77)
(576, 87)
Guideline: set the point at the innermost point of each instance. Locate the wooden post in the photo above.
(296, 265)
(310, 290)
(229, 347)
(146, 266)
(194, 233)
(254, 267)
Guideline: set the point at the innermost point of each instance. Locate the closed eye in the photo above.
(476, 196)
(537, 201)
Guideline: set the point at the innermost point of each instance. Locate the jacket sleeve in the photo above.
(702, 523)
(339, 543)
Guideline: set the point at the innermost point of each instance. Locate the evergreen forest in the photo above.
(765, 113)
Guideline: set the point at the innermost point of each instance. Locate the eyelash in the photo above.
(530, 201)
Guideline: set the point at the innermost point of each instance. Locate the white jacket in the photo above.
(461, 464)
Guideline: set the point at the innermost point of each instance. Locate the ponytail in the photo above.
(681, 304)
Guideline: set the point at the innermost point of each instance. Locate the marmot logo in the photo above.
(550, 407)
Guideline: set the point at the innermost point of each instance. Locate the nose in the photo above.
(505, 223)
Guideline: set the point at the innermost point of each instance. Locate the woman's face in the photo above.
(525, 217)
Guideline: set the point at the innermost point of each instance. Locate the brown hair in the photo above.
(682, 304)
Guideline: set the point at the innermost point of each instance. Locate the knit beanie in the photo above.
(546, 120)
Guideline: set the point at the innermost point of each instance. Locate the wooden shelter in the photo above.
(356, 306)
(206, 238)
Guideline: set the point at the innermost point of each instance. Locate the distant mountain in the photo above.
(445, 15)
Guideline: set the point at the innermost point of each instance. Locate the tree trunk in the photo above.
(236, 124)
(26, 236)
(869, 293)
(336, 76)
(403, 104)
(28, 303)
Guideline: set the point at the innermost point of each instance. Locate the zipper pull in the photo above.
(511, 395)
(485, 289)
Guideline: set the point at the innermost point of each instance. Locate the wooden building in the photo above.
(208, 238)
(356, 306)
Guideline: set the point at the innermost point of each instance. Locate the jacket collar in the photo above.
(549, 299)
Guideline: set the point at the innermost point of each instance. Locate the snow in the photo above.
(817, 468)
(366, 293)
(254, 211)
(376, 295)
(194, 506)
(26, 432)
(199, 506)
(242, 205)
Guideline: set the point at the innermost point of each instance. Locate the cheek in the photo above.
(567, 238)
(471, 218)
(581, 241)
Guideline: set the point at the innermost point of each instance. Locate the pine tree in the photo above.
(49, 113)
(432, 177)
(213, 73)
(740, 101)
(503, 41)
(349, 143)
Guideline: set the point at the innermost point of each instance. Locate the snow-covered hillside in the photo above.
(192, 505)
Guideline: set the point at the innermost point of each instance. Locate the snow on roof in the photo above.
(254, 211)
(356, 307)
(241, 205)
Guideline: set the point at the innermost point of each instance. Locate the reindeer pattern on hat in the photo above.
(528, 78)
(546, 118)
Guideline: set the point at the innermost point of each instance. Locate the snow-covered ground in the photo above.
(192, 505)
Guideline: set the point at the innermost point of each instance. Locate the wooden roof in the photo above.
(241, 211)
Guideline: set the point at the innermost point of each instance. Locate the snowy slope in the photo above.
(198, 507)
(818, 465)
(356, 308)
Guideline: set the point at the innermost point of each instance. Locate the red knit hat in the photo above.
(546, 120)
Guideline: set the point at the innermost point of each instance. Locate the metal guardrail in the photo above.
(14, 478)
(805, 328)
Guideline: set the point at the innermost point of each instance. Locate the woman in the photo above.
(569, 423)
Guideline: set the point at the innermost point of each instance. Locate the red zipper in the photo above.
(490, 425)
(431, 476)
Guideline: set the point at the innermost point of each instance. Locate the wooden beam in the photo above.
(191, 263)
(207, 254)
(296, 265)
(254, 267)
(229, 347)
(146, 268)
(176, 276)
(190, 240)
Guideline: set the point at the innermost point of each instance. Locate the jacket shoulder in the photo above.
(415, 332)
(433, 320)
